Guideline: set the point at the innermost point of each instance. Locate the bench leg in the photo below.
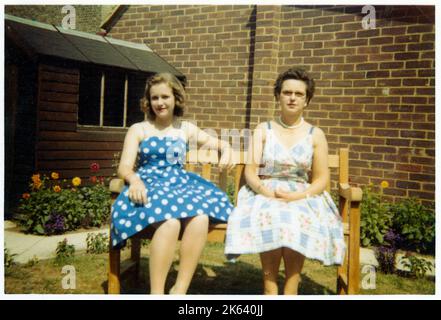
(113, 286)
(135, 255)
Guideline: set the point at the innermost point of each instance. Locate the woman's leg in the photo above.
(270, 266)
(192, 243)
(162, 251)
(293, 266)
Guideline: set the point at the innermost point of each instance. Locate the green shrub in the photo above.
(64, 252)
(376, 219)
(416, 225)
(8, 258)
(97, 243)
(230, 191)
(53, 207)
(418, 267)
(32, 261)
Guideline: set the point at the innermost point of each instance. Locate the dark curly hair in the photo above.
(296, 74)
(177, 89)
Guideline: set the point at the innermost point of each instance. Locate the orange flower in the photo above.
(384, 184)
(57, 188)
(55, 175)
(36, 178)
(76, 181)
(36, 181)
(26, 196)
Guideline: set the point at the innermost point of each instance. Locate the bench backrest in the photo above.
(209, 158)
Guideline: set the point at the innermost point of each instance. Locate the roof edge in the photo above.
(115, 14)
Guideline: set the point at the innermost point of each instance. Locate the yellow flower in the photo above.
(384, 184)
(55, 175)
(57, 188)
(76, 181)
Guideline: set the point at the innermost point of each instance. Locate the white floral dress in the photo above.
(310, 226)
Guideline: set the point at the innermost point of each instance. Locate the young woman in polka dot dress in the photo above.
(161, 193)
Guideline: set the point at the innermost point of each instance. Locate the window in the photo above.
(110, 98)
(89, 101)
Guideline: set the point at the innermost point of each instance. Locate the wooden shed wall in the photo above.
(20, 130)
(61, 145)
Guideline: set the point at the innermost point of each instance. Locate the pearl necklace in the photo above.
(290, 127)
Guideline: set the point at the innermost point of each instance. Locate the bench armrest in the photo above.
(352, 194)
(116, 185)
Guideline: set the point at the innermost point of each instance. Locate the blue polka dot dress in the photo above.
(172, 192)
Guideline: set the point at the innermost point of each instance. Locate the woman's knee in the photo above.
(170, 226)
(201, 219)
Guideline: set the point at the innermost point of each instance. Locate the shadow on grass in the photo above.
(238, 278)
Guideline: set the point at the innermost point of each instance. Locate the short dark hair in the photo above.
(177, 89)
(295, 73)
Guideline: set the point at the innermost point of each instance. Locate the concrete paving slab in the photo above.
(27, 246)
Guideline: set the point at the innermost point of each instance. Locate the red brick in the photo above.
(406, 56)
(372, 173)
(387, 133)
(382, 165)
(393, 31)
(391, 65)
(392, 48)
(399, 125)
(420, 29)
(422, 177)
(384, 150)
(344, 35)
(374, 141)
(413, 134)
(407, 38)
(356, 42)
(371, 156)
(423, 144)
(419, 64)
(424, 126)
(422, 195)
(394, 192)
(350, 139)
(377, 74)
(374, 124)
(389, 82)
(404, 73)
(381, 40)
(420, 46)
(408, 185)
(398, 142)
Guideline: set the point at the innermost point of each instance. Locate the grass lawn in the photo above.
(213, 276)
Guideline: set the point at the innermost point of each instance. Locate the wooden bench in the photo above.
(348, 275)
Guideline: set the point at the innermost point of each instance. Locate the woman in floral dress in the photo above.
(284, 211)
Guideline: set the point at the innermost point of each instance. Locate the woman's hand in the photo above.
(288, 196)
(137, 191)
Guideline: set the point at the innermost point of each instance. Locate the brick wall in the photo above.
(375, 88)
(88, 18)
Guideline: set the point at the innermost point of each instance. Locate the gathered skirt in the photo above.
(311, 226)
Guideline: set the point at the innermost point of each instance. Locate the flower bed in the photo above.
(405, 225)
(54, 206)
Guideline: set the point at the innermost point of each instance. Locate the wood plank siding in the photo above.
(62, 145)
